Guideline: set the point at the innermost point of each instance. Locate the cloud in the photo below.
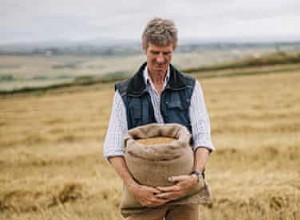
(77, 19)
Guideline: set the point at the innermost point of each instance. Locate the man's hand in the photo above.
(147, 195)
(182, 185)
(144, 194)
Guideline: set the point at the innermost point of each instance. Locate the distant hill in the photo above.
(279, 62)
(129, 47)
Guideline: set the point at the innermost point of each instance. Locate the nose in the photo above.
(160, 58)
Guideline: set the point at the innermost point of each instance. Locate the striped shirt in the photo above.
(117, 128)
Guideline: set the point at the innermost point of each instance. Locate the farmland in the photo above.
(51, 164)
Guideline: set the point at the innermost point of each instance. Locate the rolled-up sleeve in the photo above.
(117, 128)
(200, 120)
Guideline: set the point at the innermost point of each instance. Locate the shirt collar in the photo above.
(147, 78)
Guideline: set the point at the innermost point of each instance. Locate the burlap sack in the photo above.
(152, 164)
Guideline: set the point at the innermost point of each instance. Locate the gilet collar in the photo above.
(137, 86)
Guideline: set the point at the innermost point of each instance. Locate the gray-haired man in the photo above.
(165, 95)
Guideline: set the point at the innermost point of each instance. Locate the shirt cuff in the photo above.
(203, 140)
(114, 154)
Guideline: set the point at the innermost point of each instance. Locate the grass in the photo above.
(252, 61)
(51, 164)
(83, 80)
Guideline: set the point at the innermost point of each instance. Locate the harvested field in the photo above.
(51, 164)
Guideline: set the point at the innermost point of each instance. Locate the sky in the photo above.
(118, 20)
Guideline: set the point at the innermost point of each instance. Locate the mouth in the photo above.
(160, 66)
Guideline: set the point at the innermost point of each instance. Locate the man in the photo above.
(159, 93)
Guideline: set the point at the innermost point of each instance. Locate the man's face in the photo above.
(158, 58)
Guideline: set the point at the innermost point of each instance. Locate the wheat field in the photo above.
(51, 164)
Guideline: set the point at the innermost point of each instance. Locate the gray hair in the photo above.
(159, 32)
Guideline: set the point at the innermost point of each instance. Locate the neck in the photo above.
(157, 77)
(158, 80)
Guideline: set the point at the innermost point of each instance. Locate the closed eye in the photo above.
(156, 53)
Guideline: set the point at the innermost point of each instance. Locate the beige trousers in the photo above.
(174, 212)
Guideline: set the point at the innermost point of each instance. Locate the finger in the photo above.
(153, 190)
(163, 195)
(159, 200)
(178, 178)
(169, 188)
(169, 196)
(156, 202)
